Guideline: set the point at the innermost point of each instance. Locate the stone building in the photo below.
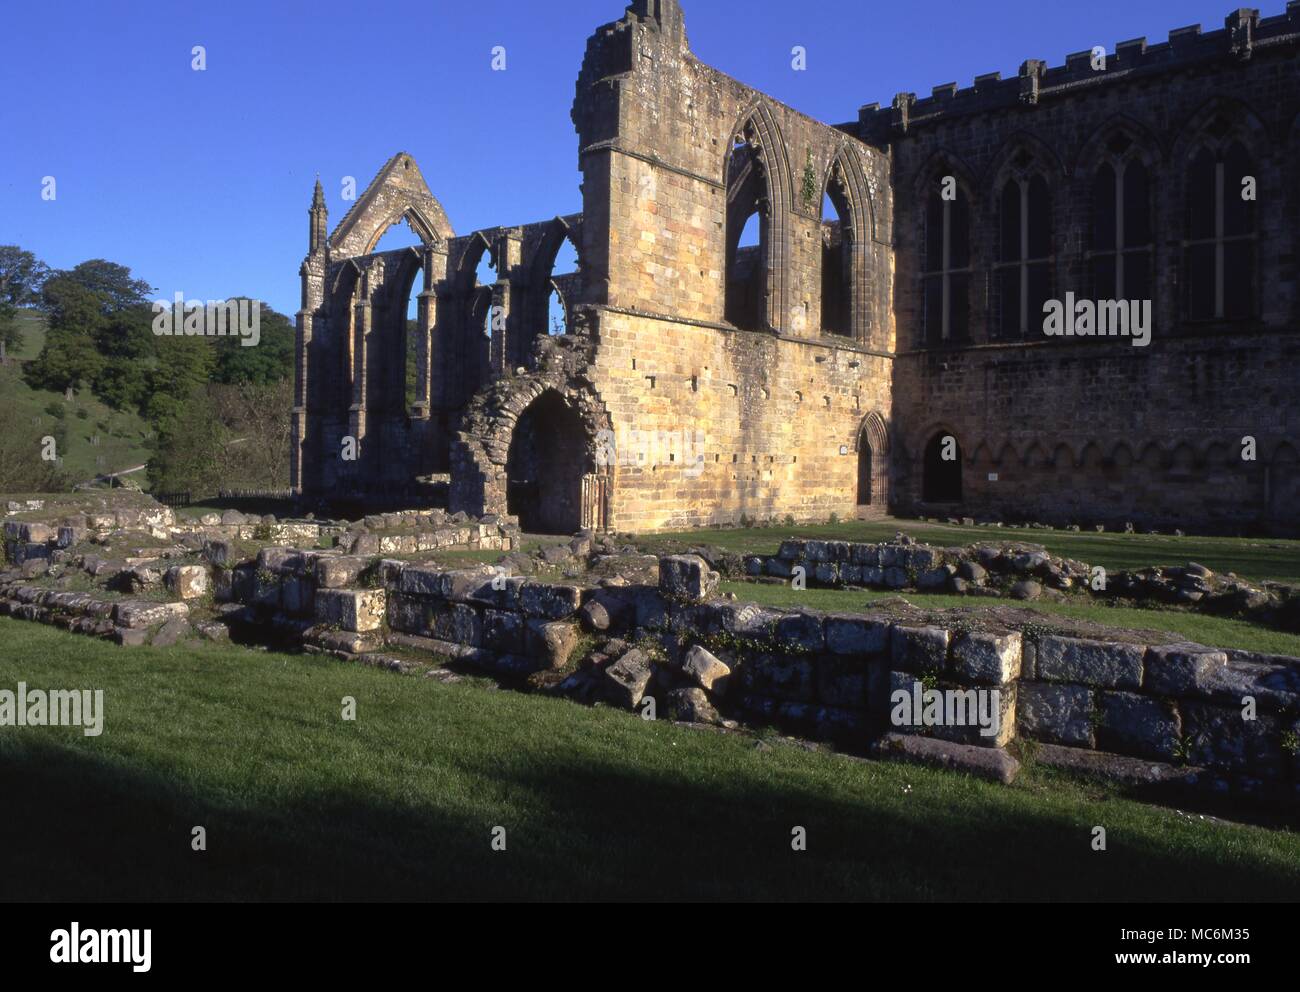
(776, 318)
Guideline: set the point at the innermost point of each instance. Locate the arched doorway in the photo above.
(550, 453)
(941, 479)
(873, 463)
(864, 473)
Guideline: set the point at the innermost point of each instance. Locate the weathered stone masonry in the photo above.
(702, 381)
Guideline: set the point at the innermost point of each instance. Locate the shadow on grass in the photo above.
(78, 827)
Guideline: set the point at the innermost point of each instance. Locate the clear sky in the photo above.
(200, 181)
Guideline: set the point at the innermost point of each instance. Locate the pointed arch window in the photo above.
(748, 234)
(838, 283)
(1023, 271)
(946, 272)
(1219, 250)
(1120, 256)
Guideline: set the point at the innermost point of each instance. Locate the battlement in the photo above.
(1243, 35)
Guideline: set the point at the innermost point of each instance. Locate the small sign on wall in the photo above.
(993, 477)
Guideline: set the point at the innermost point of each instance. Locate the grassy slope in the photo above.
(121, 434)
(596, 803)
(1215, 631)
(1254, 558)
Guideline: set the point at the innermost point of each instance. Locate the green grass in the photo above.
(596, 803)
(1253, 558)
(1219, 632)
(32, 325)
(122, 434)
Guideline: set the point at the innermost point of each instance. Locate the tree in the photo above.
(21, 467)
(69, 360)
(257, 420)
(187, 454)
(21, 276)
(126, 341)
(269, 361)
(110, 283)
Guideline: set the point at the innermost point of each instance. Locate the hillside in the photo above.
(99, 439)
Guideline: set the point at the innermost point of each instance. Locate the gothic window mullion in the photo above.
(1024, 258)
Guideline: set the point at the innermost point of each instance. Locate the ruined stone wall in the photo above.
(713, 424)
(1083, 430)
(656, 130)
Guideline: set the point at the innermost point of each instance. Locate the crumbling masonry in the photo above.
(831, 366)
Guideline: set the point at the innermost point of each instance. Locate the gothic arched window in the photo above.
(1023, 271)
(1219, 252)
(1121, 246)
(945, 277)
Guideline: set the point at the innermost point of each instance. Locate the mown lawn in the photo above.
(1253, 558)
(1219, 632)
(298, 803)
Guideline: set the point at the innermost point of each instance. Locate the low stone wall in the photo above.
(125, 621)
(954, 688)
(1020, 571)
(846, 678)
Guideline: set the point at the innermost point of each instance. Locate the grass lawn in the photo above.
(1215, 631)
(298, 803)
(1252, 558)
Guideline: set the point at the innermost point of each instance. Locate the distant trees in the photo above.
(22, 470)
(219, 410)
(21, 277)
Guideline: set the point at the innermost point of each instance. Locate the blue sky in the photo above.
(200, 181)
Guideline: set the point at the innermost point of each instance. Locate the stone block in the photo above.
(1104, 664)
(1138, 725)
(687, 578)
(503, 631)
(706, 671)
(1220, 737)
(691, 706)
(550, 602)
(1181, 669)
(1062, 714)
(848, 634)
(339, 571)
(778, 676)
(841, 681)
(987, 657)
(919, 650)
(354, 610)
(801, 631)
(187, 581)
(552, 641)
(625, 680)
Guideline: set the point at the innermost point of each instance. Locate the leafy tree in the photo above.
(21, 276)
(269, 361)
(186, 454)
(184, 367)
(69, 360)
(21, 467)
(110, 283)
(127, 342)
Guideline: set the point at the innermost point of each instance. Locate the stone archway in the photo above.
(873, 464)
(527, 429)
(550, 453)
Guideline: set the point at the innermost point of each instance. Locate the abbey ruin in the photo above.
(889, 314)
